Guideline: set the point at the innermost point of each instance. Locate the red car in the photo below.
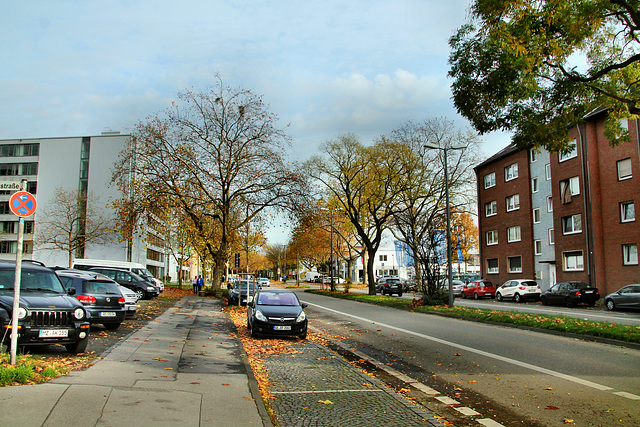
(479, 289)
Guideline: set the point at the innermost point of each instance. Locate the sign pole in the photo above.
(16, 286)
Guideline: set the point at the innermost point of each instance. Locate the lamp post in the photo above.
(333, 286)
(445, 149)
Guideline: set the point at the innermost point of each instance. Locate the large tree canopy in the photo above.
(538, 67)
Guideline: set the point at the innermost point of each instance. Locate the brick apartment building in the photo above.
(556, 217)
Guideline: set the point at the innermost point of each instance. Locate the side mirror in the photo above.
(71, 291)
(304, 305)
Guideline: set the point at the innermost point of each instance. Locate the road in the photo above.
(517, 377)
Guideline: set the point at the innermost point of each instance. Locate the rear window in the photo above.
(100, 287)
(487, 284)
(579, 285)
(530, 283)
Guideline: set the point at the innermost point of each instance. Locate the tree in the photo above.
(365, 183)
(215, 155)
(424, 207)
(71, 222)
(537, 68)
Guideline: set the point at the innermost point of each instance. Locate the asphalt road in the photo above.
(516, 376)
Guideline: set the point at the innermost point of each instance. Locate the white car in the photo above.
(130, 301)
(264, 282)
(519, 290)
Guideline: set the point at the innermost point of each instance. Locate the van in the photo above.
(311, 276)
(134, 267)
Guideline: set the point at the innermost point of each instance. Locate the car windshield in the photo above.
(32, 281)
(101, 287)
(277, 299)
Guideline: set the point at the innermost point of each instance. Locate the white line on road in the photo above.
(477, 351)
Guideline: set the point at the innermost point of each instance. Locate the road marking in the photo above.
(488, 422)
(467, 412)
(627, 395)
(478, 351)
(369, 390)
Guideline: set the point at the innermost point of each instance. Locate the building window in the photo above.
(536, 215)
(383, 258)
(19, 150)
(18, 169)
(572, 224)
(547, 171)
(513, 234)
(566, 155)
(492, 265)
(492, 237)
(624, 169)
(515, 264)
(627, 212)
(534, 185)
(513, 203)
(534, 155)
(537, 247)
(569, 187)
(490, 208)
(630, 254)
(551, 239)
(549, 204)
(624, 124)
(573, 261)
(490, 180)
(511, 172)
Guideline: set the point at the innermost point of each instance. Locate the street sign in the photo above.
(10, 185)
(22, 204)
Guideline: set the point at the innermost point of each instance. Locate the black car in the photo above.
(241, 290)
(627, 297)
(390, 286)
(48, 313)
(276, 312)
(140, 286)
(570, 294)
(101, 297)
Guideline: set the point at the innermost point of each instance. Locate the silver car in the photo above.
(627, 297)
(519, 290)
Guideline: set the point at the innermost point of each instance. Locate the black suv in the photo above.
(48, 313)
(137, 284)
(390, 286)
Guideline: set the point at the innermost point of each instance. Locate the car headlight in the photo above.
(261, 317)
(151, 289)
(22, 313)
(301, 317)
(78, 313)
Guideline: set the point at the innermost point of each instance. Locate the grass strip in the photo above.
(559, 323)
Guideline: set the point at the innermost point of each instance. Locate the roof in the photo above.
(508, 150)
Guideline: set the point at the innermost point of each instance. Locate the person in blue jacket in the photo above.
(200, 283)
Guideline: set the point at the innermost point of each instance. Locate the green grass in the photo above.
(565, 324)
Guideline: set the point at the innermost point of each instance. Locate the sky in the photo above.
(79, 68)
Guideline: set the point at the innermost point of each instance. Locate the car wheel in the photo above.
(610, 305)
(591, 303)
(141, 294)
(111, 326)
(544, 301)
(399, 294)
(499, 296)
(303, 336)
(476, 296)
(77, 347)
(569, 302)
(517, 298)
(253, 333)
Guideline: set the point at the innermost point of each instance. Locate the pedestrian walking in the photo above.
(195, 284)
(199, 283)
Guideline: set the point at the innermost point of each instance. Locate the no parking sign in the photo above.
(22, 204)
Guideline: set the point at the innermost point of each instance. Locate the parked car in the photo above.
(390, 286)
(479, 289)
(241, 290)
(130, 301)
(276, 312)
(101, 297)
(48, 313)
(134, 267)
(409, 285)
(627, 297)
(570, 294)
(457, 286)
(519, 290)
(137, 284)
(264, 282)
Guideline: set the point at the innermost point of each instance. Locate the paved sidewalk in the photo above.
(184, 368)
(316, 387)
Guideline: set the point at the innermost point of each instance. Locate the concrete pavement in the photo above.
(188, 368)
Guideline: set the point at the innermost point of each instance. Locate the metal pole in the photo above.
(449, 266)
(333, 286)
(16, 287)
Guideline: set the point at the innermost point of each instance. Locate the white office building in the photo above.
(70, 164)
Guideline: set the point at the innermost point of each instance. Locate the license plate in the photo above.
(282, 328)
(48, 333)
(588, 292)
(107, 314)
(131, 308)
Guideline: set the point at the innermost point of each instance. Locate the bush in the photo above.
(439, 298)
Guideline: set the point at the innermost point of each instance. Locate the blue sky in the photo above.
(80, 67)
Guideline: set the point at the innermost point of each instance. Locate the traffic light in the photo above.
(237, 260)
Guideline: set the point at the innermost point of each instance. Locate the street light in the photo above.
(445, 149)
